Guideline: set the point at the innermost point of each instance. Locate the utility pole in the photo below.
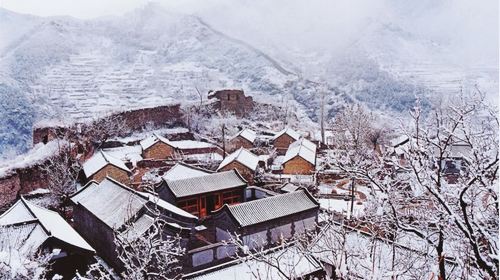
(352, 195)
(322, 112)
(223, 140)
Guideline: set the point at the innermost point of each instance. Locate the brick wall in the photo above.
(159, 150)
(282, 143)
(112, 171)
(298, 165)
(244, 171)
(9, 189)
(239, 142)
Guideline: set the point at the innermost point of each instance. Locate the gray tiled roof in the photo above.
(109, 201)
(270, 208)
(205, 184)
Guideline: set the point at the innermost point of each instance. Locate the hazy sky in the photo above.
(469, 27)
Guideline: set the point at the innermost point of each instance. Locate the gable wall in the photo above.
(159, 150)
(244, 171)
(282, 143)
(298, 165)
(112, 171)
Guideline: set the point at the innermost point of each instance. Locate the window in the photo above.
(231, 197)
(190, 206)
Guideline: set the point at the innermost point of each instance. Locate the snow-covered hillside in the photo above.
(73, 70)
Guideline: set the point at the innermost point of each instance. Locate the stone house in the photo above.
(300, 158)
(108, 209)
(232, 100)
(242, 160)
(201, 195)
(102, 165)
(243, 139)
(157, 147)
(31, 229)
(267, 220)
(283, 139)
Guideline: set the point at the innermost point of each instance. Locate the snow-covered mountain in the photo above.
(73, 70)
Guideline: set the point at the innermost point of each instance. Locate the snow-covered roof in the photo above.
(304, 142)
(183, 171)
(301, 151)
(270, 208)
(290, 261)
(51, 222)
(290, 132)
(247, 134)
(126, 153)
(153, 139)
(191, 144)
(99, 160)
(167, 206)
(138, 228)
(206, 184)
(289, 187)
(110, 201)
(242, 156)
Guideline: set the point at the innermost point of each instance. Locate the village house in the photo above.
(232, 100)
(102, 165)
(243, 139)
(104, 210)
(31, 229)
(300, 158)
(157, 147)
(202, 195)
(242, 160)
(283, 139)
(267, 220)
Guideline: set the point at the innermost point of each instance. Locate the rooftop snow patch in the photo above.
(288, 131)
(191, 144)
(111, 202)
(301, 151)
(153, 139)
(51, 222)
(247, 134)
(99, 160)
(242, 156)
(183, 171)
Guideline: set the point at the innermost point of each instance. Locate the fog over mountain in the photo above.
(381, 54)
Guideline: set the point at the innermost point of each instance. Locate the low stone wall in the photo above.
(19, 182)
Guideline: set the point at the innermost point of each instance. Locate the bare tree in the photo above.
(20, 259)
(61, 173)
(453, 209)
(101, 129)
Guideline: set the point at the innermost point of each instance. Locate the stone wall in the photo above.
(169, 115)
(233, 101)
(9, 190)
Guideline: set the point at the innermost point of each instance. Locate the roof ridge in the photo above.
(265, 198)
(25, 202)
(104, 156)
(123, 186)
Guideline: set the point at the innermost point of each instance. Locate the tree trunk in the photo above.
(441, 259)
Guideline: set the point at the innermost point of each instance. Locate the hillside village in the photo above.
(227, 201)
